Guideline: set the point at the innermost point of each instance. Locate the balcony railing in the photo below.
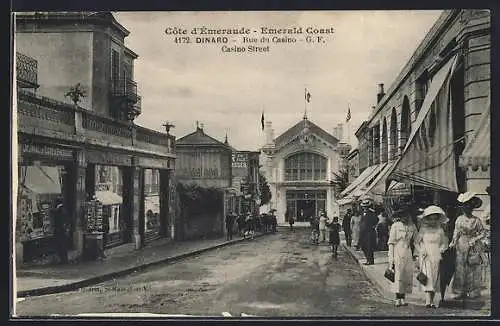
(126, 88)
(26, 71)
(40, 115)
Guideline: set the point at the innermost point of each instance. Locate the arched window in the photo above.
(384, 144)
(393, 135)
(405, 122)
(305, 166)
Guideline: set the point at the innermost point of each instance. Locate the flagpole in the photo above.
(305, 103)
(348, 122)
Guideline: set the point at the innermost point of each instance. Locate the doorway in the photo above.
(306, 209)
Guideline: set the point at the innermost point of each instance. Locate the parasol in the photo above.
(447, 269)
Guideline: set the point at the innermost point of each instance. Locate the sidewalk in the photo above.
(120, 261)
(375, 274)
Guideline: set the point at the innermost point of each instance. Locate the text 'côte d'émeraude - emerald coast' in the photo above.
(246, 31)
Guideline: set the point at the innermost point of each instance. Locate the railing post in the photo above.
(78, 121)
(134, 134)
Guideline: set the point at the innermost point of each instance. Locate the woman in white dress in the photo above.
(355, 223)
(402, 234)
(467, 240)
(431, 243)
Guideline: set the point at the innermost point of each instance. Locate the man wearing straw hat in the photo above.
(367, 233)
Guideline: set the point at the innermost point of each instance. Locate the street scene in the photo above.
(276, 275)
(252, 164)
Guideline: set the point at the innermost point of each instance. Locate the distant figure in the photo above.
(230, 225)
(367, 232)
(334, 237)
(382, 233)
(314, 220)
(240, 221)
(346, 226)
(355, 220)
(274, 222)
(323, 221)
(61, 231)
(291, 219)
(250, 226)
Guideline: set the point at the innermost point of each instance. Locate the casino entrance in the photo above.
(303, 204)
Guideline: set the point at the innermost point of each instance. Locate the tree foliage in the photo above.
(341, 180)
(265, 190)
(195, 200)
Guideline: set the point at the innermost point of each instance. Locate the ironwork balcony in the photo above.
(126, 88)
(26, 71)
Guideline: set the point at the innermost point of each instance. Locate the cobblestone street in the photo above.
(277, 275)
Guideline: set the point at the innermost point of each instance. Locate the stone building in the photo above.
(413, 141)
(87, 147)
(298, 165)
(206, 162)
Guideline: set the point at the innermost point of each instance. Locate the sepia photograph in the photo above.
(251, 164)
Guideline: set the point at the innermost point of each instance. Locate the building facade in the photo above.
(298, 165)
(76, 102)
(413, 141)
(205, 162)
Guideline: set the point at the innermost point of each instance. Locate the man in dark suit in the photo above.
(61, 231)
(368, 234)
(346, 226)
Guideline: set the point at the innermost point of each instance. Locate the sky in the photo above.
(227, 92)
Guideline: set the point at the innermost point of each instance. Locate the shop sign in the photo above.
(47, 151)
(156, 163)
(108, 158)
(239, 160)
(103, 187)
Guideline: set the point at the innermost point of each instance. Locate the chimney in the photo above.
(340, 131)
(380, 93)
(269, 132)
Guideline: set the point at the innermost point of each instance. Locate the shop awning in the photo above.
(152, 203)
(362, 188)
(358, 180)
(108, 198)
(477, 153)
(428, 158)
(344, 201)
(44, 180)
(377, 187)
(398, 189)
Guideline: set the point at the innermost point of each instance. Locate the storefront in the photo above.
(108, 190)
(44, 176)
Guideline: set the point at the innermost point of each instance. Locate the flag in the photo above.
(262, 120)
(348, 115)
(308, 96)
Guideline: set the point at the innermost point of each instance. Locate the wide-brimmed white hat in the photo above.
(432, 210)
(470, 198)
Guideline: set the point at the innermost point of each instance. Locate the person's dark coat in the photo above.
(367, 233)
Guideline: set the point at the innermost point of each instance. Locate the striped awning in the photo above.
(477, 153)
(362, 177)
(362, 188)
(428, 158)
(43, 180)
(108, 197)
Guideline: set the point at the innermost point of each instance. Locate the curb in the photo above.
(106, 277)
(379, 288)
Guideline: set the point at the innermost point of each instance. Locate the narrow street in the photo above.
(276, 275)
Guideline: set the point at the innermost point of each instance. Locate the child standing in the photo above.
(334, 230)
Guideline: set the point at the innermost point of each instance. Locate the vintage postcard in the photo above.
(252, 164)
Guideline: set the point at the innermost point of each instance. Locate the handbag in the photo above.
(421, 277)
(474, 257)
(389, 274)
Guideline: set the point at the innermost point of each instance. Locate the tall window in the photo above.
(305, 166)
(115, 67)
(376, 144)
